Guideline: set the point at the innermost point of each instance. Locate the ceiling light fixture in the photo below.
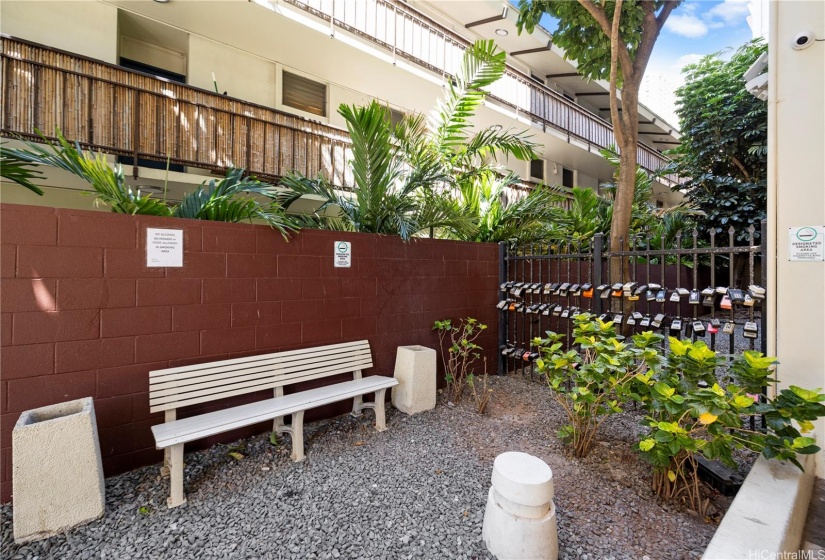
(499, 32)
(161, 1)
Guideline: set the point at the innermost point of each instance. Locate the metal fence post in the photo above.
(598, 244)
(502, 314)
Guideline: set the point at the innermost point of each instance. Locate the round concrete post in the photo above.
(520, 519)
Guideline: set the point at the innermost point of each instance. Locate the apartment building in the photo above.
(256, 84)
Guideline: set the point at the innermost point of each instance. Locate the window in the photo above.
(537, 169)
(395, 117)
(567, 178)
(304, 94)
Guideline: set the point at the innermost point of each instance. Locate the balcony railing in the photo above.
(126, 113)
(412, 36)
(140, 117)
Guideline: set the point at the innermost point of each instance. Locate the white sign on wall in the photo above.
(342, 253)
(164, 247)
(806, 243)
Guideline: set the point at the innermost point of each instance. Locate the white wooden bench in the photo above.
(174, 388)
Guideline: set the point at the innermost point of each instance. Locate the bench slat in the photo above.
(331, 348)
(227, 372)
(204, 425)
(174, 388)
(219, 389)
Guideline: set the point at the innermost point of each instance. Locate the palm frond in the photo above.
(483, 63)
(107, 182)
(491, 141)
(19, 170)
(229, 200)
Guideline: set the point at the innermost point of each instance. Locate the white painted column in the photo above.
(796, 196)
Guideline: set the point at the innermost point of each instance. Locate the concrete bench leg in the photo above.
(177, 496)
(167, 461)
(168, 416)
(298, 436)
(378, 407)
(357, 406)
(380, 416)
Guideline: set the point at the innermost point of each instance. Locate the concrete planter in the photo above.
(415, 368)
(57, 475)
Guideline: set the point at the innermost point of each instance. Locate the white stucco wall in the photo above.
(796, 195)
(240, 74)
(87, 28)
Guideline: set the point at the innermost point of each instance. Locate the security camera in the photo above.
(803, 40)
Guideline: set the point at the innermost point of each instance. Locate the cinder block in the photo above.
(415, 368)
(57, 475)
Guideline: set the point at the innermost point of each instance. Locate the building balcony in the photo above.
(410, 36)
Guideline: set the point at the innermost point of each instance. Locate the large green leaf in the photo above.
(19, 170)
(107, 181)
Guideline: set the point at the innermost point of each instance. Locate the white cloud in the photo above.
(686, 25)
(686, 59)
(730, 11)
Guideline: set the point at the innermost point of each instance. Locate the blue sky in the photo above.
(698, 28)
(694, 29)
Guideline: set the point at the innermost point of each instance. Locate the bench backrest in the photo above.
(183, 386)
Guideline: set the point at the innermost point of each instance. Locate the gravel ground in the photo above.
(417, 490)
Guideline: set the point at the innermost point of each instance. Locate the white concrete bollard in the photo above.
(57, 474)
(520, 519)
(415, 368)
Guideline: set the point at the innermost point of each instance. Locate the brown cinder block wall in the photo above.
(82, 315)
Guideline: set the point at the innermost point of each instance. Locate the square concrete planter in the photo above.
(415, 368)
(57, 474)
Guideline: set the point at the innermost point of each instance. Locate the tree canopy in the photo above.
(609, 39)
(724, 141)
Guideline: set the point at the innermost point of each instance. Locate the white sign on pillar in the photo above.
(806, 243)
(342, 253)
(164, 247)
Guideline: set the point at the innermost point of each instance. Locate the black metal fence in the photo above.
(707, 291)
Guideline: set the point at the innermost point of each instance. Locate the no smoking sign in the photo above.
(342, 254)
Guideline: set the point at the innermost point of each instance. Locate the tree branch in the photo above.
(741, 167)
(614, 60)
(600, 16)
(651, 26)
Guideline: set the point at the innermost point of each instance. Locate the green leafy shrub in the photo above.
(689, 412)
(459, 355)
(593, 379)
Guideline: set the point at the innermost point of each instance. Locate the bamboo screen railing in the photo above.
(113, 110)
(408, 34)
(127, 113)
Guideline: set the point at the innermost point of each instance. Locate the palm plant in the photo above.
(227, 200)
(470, 157)
(432, 174)
(591, 213)
(501, 218)
(390, 196)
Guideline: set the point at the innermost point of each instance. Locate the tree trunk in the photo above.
(627, 139)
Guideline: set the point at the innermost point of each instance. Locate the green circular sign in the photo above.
(806, 234)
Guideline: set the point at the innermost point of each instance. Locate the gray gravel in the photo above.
(417, 490)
